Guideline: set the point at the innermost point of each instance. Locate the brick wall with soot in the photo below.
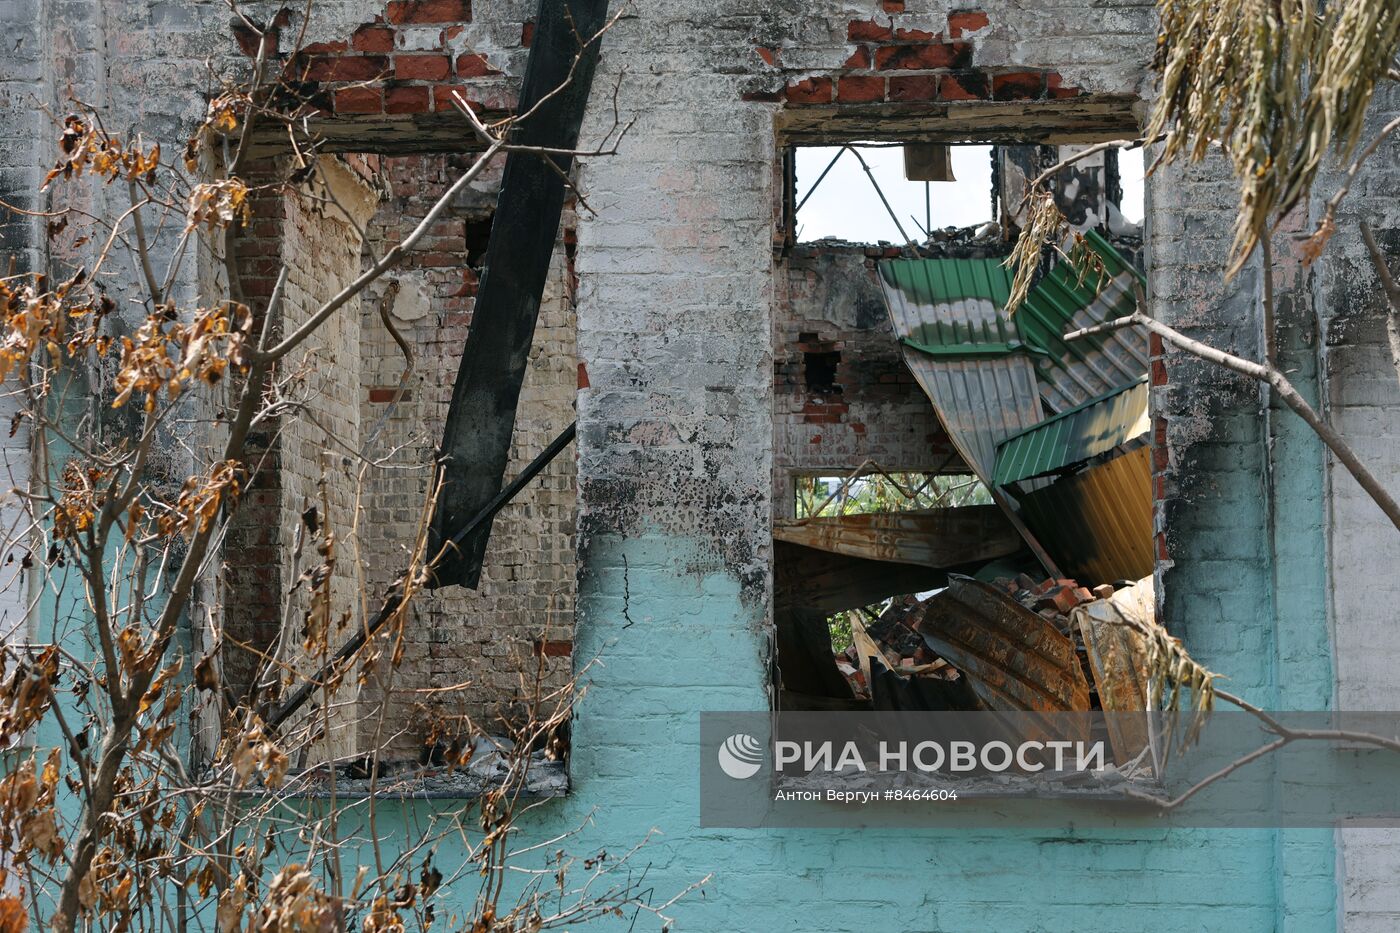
(523, 609)
(841, 392)
(894, 63)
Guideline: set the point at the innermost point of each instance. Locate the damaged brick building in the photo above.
(713, 360)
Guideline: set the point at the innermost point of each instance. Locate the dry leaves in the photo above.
(27, 805)
(295, 905)
(256, 753)
(218, 204)
(167, 355)
(1276, 84)
(84, 147)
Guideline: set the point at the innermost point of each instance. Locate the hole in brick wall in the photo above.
(478, 236)
(974, 195)
(819, 372)
(896, 471)
(363, 394)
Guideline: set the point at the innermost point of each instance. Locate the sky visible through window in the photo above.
(845, 206)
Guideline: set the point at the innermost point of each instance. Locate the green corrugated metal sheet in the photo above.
(947, 306)
(1085, 431)
(1073, 295)
(936, 295)
(943, 281)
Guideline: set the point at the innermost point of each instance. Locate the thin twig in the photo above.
(1334, 441)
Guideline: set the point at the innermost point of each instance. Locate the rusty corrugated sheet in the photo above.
(1075, 295)
(1083, 432)
(1118, 661)
(928, 537)
(1013, 658)
(957, 305)
(1098, 524)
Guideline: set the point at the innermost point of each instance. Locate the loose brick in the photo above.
(810, 91)
(382, 396)
(962, 22)
(429, 11)
(914, 87)
(407, 100)
(869, 31)
(554, 648)
(347, 67)
(422, 67)
(967, 85)
(920, 57)
(860, 89)
(1019, 85)
(372, 38)
(358, 100)
(474, 66)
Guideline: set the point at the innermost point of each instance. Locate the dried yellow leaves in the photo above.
(166, 355)
(1276, 85)
(86, 148)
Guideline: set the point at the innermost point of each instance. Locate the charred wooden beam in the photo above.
(476, 438)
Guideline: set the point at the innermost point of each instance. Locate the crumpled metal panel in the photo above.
(1098, 524)
(1118, 661)
(980, 399)
(1072, 296)
(807, 578)
(1013, 658)
(928, 537)
(1085, 431)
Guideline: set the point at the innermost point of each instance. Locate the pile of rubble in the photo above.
(898, 653)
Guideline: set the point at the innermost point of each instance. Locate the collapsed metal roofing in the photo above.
(1081, 291)
(963, 350)
(929, 537)
(1085, 431)
(1013, 658)
(1097, 523)
(991, 376)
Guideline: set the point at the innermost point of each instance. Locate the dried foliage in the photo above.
(1277, 85)
(84, 147)
(1047, 226)
(1043, 225)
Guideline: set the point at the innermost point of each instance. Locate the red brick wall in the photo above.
(407, 59)
(898, 64)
